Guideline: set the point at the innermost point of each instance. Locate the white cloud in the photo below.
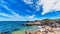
(15, 15)
(4, 14)
(32, 16)
(49, 5)
(28, 1)
(57, 6)
(32, 4)
(39, 3)
(21, 18)
(12, 19)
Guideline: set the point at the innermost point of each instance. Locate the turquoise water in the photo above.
(24, 29)
(7, 27)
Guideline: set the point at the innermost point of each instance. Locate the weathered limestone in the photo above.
(27, 32)
(50, 27)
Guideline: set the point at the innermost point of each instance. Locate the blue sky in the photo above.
(23, 10)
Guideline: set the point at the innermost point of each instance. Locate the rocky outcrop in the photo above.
(33, 23)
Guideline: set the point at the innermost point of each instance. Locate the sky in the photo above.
(29, 10)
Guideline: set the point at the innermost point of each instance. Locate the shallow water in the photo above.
(10, 25)
(22, 31)
(15, 27)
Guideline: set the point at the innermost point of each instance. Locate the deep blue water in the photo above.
(6, 26)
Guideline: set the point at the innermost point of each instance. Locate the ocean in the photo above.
(15, 27)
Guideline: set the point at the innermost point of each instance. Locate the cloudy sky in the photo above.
(23, 10)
